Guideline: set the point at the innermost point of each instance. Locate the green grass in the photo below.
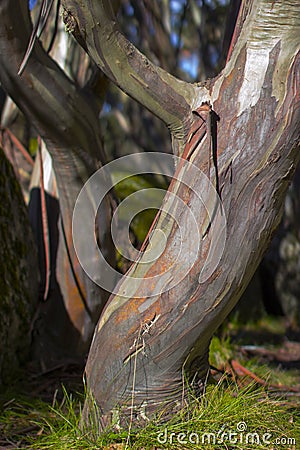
(204, 423)
(224, 408)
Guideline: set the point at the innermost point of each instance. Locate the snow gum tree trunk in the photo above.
(145, 338)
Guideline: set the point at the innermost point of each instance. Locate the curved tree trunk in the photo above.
(241, 129)
(142, 343)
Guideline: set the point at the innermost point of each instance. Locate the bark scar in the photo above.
(205, 123)
(69, 21)
(139, 344)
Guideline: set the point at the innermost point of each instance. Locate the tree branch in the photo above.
(95, 27)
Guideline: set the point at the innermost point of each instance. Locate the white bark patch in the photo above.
(257, 60)
(203, 96)
(268, 23)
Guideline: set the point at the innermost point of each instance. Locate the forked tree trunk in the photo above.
(163, 325)
(142, 343)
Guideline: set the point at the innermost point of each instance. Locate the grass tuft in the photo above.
(205, 424)
(232, 414)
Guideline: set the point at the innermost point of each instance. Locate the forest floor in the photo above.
(263, 355)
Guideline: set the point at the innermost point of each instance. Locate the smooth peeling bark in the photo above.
(68, 122)
(142, 344)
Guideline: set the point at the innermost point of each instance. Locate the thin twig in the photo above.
(19, 145)
(45, 225)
